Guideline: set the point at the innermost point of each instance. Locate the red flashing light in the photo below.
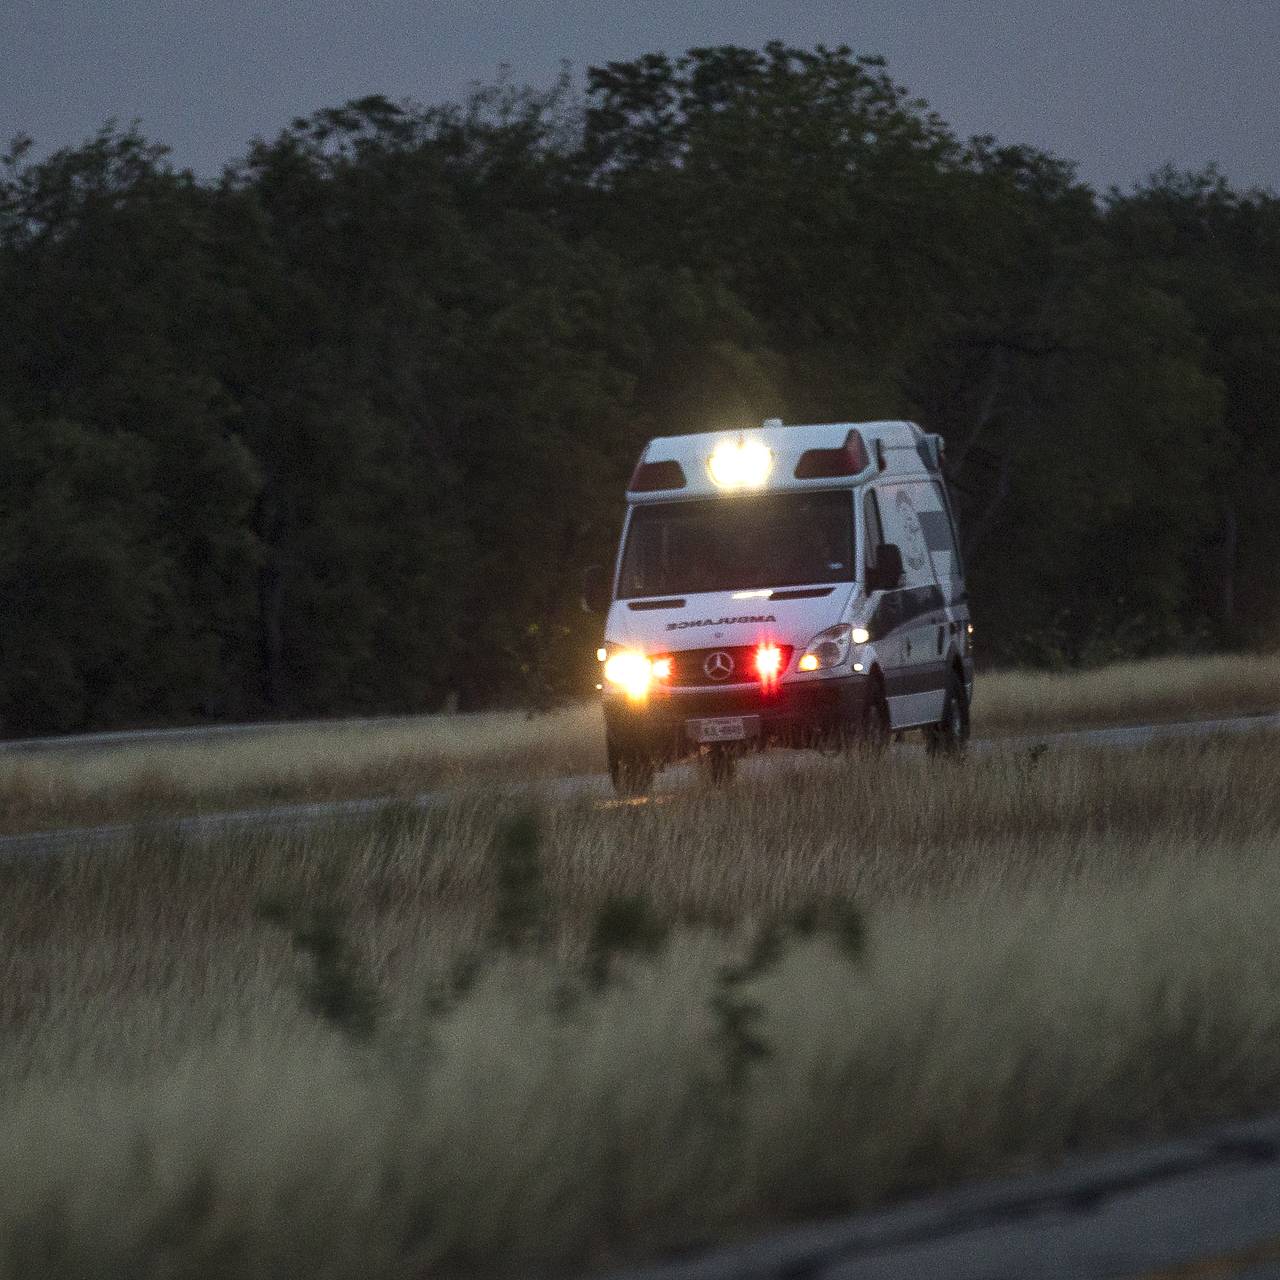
(850, 459)
(649, 477)
(768, 664)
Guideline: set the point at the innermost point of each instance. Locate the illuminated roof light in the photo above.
(740, 464)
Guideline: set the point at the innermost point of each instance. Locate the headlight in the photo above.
(830, 648)
(631, 672)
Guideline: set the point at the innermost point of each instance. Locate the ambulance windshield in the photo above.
(739, 543)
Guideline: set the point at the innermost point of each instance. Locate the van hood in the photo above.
(785, 615)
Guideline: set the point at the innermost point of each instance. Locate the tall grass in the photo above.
(343, 761)
(488, 1039)
(402, 759)
(1154, 690)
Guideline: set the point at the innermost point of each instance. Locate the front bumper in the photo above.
(801, 713)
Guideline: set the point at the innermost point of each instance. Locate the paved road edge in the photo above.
(1078, 1187)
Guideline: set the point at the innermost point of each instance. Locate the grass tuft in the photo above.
(520, 916)
(625, 926)
(336, 987)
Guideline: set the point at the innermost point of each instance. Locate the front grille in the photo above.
(743, 700)
(801, 698)
(796, 713)
(690, 667)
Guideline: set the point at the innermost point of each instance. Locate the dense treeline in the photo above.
(339, 431)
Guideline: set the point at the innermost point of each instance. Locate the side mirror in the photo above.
(595, 589)
(886, 574)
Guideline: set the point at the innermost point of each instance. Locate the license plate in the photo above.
(723, 728)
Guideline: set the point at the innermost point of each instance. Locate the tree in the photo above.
(339, 431)
(1218, 251)
(81, 583)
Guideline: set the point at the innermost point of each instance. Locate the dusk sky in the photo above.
(1122, 86)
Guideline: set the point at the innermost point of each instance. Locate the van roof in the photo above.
(899, 448)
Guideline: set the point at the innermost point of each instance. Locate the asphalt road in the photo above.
(1201, 1209)
(294, 816)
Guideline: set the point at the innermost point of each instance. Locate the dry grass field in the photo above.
(338, 762)
(404, 758)
(1153, 691)
(485, 1040)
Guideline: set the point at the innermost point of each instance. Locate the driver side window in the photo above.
(874, 530)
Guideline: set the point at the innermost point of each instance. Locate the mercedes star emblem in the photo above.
(719, 665)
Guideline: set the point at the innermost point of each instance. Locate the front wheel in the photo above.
(949, 735)
(630, 771)
(874, 729)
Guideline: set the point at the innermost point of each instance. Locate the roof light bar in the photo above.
(850, 459)
(648, 477)
(740, 464)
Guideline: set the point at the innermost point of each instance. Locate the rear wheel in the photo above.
(630, 771)
(949, 735)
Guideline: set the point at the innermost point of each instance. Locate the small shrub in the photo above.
(626, 925)
(336, 987)
(520, 912)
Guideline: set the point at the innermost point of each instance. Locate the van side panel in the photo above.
(914, 517)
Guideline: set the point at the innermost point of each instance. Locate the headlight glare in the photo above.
(632, 672)
(829, 648)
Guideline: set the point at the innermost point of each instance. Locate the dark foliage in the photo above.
(336, 987)
(339, 431)
(520, 916)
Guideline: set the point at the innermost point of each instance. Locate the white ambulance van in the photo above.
(789, 585)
